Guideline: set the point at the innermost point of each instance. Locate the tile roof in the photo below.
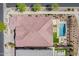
(32, 31)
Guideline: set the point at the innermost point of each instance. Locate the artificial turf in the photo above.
(55, 39)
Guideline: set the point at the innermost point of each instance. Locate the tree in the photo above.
(2, 26)
(37, 7)
(21, 6)
(55, 6)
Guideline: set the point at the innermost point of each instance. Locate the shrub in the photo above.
(37, 7)
(55, 6)
(21, 6)
(2, 26)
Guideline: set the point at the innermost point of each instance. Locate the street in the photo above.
(1, 33)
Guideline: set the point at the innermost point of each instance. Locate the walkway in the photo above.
(8, 36)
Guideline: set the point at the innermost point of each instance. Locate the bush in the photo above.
(10, 44)
(55, 6)
(21, 6)
(2, 26)
(36, 7)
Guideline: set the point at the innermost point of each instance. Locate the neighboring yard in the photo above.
(62, 49)
(55, 39)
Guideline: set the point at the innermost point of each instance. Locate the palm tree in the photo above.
(21, 7)
(55, 6)
(2, 26)
(37, 7)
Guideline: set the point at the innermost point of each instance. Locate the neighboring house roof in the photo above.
(34, 52)
(32, 31)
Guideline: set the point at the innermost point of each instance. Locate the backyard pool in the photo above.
(62, 29)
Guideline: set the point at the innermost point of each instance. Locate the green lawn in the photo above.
(64, 49)
(55, 39)
(2, 26)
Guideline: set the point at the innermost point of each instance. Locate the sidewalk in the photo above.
(8, 36)
(13, 11)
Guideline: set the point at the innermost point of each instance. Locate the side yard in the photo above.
(55, 39)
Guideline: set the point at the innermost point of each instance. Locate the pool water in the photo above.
(62, 29)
